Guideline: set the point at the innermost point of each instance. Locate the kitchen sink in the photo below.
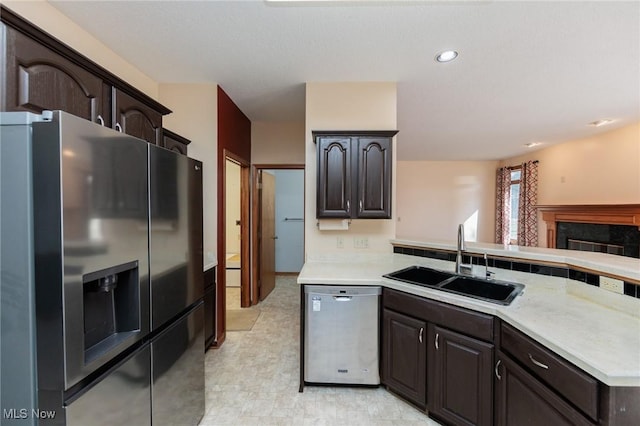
(494, 291)
(420, 275)
(489, 290)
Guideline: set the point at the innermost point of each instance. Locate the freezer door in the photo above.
(175, 285)
(341, 335)
(122, 398)
(178, 371)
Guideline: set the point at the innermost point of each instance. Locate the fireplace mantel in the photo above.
(606, 214)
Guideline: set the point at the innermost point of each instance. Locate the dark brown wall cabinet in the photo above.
(41, 73)
(404, 356)
(460, 377)
(354, 174)
(135, 118)
(174, 142)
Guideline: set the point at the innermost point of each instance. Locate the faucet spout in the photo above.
(462, 268)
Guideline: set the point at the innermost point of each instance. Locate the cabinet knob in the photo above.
(498, 376)
(196, 167)
(100, 120)
(119, 127)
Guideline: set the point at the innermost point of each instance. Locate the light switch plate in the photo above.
(611, 284)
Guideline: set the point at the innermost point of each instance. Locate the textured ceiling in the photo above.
(527, 71)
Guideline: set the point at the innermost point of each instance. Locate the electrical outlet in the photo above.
(340, 242)
(611, 284)
(361, 242)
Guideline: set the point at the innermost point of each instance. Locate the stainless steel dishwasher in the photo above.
(341, 335)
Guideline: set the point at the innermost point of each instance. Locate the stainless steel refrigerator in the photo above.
(80, 206)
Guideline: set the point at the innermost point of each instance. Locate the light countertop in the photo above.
(625, 267)
(597, 330)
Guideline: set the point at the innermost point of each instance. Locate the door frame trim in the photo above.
(255, 214)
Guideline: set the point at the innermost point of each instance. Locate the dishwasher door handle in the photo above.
(342, 298)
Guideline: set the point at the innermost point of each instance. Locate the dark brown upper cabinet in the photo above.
(174, 142)
(354, 174)
(41, 73)
(39, 79)
(135, 118)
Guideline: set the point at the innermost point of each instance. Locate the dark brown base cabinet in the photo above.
(209, 307)
(460, 378)
(404, 356)
(522, 400)
(478, 370)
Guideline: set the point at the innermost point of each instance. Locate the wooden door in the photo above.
(521, 399)
(135, 118)
(460, 378)
(334, 178)
(39, 79)
(267, 235)
(404, 355)
(374, 178)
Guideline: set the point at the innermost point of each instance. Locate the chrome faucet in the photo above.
(462, 268)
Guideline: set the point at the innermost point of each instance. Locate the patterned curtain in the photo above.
(503, 204)
(527, 213)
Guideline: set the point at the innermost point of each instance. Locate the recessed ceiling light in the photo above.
(446, 56)
(599, 123)
(532, 144)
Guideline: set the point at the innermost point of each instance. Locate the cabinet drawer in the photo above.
(468, 322)
(575, 385)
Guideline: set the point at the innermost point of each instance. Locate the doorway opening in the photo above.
(278, 225)
(233, 259)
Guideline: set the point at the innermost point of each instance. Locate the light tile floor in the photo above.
(253, 378)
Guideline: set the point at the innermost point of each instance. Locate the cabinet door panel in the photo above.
(135, 118)
(39, 79)
(404, 356)
(374, 178)
(460, 378)
(521, 400)
(174, 142)
(334, 178)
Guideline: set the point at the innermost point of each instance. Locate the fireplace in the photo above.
(613, 229)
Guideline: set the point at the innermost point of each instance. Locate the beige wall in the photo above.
(277, 142)
(346, 106)
(195, 112)
(433, 197)
(602, 169)
(48, 18)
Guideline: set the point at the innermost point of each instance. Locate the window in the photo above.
(516, 173)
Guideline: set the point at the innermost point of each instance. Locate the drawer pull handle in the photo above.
(538, 363)
(348, 206)
(119, 127)
(421, 332)
(437, 345)
(100, 120)
(496, 370)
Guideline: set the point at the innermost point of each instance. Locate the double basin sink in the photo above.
(489, 290)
